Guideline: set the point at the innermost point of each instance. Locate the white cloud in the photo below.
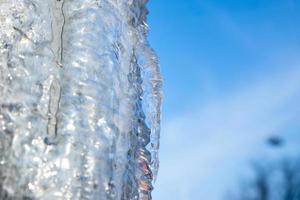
(202, 149)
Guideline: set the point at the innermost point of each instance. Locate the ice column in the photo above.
(80, 98)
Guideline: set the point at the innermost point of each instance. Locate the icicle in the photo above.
(80, 97)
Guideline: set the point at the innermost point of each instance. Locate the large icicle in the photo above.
(80, 97)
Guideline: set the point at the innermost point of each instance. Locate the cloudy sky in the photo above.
(232, 79)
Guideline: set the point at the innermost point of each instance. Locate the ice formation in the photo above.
(80, 95)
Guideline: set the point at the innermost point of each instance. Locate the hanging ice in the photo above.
(80, 95)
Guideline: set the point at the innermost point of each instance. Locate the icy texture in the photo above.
(80, 95)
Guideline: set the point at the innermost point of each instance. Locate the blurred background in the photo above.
(231, 113)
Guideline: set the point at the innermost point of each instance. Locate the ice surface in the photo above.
(80, 97)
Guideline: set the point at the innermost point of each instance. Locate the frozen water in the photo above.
(80, 95)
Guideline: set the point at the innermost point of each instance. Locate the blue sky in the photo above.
(232, 79)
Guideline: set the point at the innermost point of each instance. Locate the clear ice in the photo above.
(80, 98)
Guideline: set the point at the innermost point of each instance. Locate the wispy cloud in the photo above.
(203, 149)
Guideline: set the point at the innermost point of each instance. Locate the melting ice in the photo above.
(80, 95)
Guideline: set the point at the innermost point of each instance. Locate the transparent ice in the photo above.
(80, 97)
